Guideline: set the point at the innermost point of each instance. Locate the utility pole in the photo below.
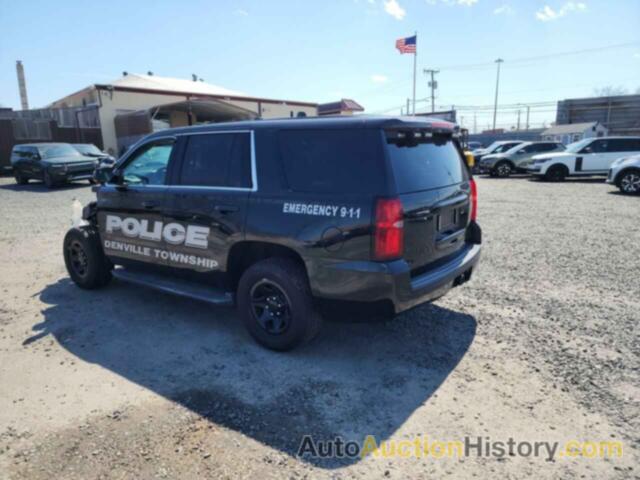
(408, 106)
(528, 109)
(475, 123)
(518, 127)
(433, 85)
(495, 103)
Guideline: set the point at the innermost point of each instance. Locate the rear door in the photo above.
(209, 197)
(432, 183)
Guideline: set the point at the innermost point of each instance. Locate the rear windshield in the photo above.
(430, 163)
(332, 161)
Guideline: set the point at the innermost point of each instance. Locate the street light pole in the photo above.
(495, 104)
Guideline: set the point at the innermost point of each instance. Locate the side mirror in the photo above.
(103, 172)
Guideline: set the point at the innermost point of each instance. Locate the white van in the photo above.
(591, 156)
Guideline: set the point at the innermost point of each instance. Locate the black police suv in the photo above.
(285, 217)
(52, 163)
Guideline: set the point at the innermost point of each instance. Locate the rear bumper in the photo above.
(392, 281)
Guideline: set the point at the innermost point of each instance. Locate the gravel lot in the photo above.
(126, 383)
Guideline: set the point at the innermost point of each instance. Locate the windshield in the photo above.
(61, 150)
(88, 149)
(575, 147)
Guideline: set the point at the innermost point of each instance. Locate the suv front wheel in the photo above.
(503, 170)
(630, 182)
(275, 303)
(86, 263)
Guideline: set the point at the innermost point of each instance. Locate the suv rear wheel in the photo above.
(275, 303)
(630, 182)
(557, 173)
(503, 169)
(86, 263)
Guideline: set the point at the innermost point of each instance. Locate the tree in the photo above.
(609, 91)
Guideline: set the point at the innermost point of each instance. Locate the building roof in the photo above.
(176, 85)
(569, 128)
(344, 105)
(135, 82)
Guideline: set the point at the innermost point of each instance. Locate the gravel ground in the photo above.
(542, 345)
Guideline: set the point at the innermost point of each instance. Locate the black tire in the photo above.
(503, 169)
(629, 182)
(557, 173)
(275, 304)
(20, 178)
(86, 263)
(48, 181)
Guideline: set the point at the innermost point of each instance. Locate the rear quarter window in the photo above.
(426, 165)
(332, 161)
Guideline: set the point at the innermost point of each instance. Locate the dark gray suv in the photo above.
(52, 163)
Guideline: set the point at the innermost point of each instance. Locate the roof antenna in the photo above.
(194, 77)
(125, 73)
(150, 73)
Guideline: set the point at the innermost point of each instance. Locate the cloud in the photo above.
(393, 8)
(503, 10)
(241, 13)
(547, 14)
(377, 78)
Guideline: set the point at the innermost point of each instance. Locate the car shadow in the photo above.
(354, 380)
(42, 188)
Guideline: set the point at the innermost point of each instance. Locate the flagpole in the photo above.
(415, 57)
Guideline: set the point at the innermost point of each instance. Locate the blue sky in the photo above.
(321, 50)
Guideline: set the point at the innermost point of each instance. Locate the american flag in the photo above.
(407, 45)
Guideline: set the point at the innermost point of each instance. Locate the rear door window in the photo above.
(332, 161)
(433, 163)
(218, 160)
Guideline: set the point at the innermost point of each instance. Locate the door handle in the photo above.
(150, 205)
(226, 208)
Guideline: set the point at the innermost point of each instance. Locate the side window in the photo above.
(624, 145)
(148, 165)
(597, 146)
(217, 160)
(33, 152)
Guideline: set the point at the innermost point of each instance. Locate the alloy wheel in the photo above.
(270, 307)
(78, 257)
(630, 183)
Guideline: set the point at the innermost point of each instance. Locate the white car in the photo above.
(625, 174)
(591, 156)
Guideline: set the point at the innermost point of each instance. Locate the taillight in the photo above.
(389, 229)
(474, 200)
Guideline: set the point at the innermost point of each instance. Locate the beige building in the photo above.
(163, 102)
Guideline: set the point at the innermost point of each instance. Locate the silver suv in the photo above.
(517, 159)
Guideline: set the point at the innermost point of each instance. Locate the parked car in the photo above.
(474, 146)
(624, 173)
(496, 147)
(52, 163)
(283, 216)
(591, 156)
(516, 159)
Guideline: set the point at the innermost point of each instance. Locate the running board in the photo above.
(184, 288)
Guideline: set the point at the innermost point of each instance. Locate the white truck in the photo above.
(588, 157)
